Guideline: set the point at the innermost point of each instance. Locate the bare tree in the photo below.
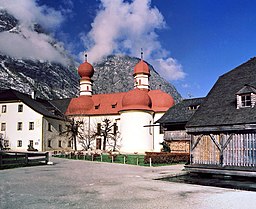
(73, 131)
(87, 136)
(108, 130)
(114, 141)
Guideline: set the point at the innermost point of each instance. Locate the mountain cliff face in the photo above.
(53, 80)
(115, 74)
(49, 79)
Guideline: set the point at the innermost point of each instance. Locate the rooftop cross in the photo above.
(85, 57)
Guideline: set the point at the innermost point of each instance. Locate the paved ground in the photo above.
(83, 184)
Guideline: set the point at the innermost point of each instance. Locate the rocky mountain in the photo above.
(53, 80)
(48, 79)
(115, 74)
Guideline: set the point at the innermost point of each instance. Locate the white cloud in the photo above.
(29, 12)
(123, 27)
(169, 68)
(36, 46)
(27, 43)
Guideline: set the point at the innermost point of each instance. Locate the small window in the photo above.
(31, 143)
(20, 108)
(4, 108)
(59, 143)
(97, 107)
(31, 125)
(19, 143)
(193, 107)
(49, 127)
(115, 128)
(246, 100)
(69, 143)
(113, 105)
(49, 143)
(19, 126)
(3, 126)
(98, 128)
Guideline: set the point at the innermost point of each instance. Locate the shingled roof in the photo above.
(181, 112)
(220, 105)
(41, 106)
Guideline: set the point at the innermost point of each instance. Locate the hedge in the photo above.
(166, 157)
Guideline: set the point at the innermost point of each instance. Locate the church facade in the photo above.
(129, 116)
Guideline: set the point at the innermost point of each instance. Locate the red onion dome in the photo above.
(85, 70)
(80, 105)
(161, 101)
(141, 67)
(136, 99)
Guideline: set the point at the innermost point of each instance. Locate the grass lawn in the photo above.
(131, 159)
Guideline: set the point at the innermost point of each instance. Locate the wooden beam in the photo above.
(197, 141)
(215, 142)
(227, 142)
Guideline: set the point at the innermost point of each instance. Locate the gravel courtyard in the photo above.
(83, 184)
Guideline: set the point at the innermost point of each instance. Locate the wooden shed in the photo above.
(223, 129)
(174, 121)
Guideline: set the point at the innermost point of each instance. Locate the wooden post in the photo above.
(26, 159)
(46, 157)
(124, 159)
(150, 162)
(100, 157)
(112, 158)
(137, 161)
(1, 159)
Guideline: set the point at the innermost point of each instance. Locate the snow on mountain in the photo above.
(59, 79)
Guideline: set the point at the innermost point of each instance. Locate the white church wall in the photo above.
(158, 137)
(136, 137)
(89, 126)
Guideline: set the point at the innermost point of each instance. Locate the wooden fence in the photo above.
(11, 158)
(224, 149)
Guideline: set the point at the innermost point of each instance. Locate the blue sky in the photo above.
(203, 38)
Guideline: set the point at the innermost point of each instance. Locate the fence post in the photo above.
(46, 157)
(26, 158)
(150, 162)
(124, 159)
(112, 158)
(100, 157)
(1, 159)
(137, 161)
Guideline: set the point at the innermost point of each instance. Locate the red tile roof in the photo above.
(112, 104)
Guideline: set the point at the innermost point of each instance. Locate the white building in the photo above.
(25, 121)
(133, 112)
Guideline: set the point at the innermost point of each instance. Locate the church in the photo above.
(123, 121)
(131, 115)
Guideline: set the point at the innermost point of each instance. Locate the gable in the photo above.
(220, 105)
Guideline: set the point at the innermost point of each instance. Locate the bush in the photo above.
(164, 157)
